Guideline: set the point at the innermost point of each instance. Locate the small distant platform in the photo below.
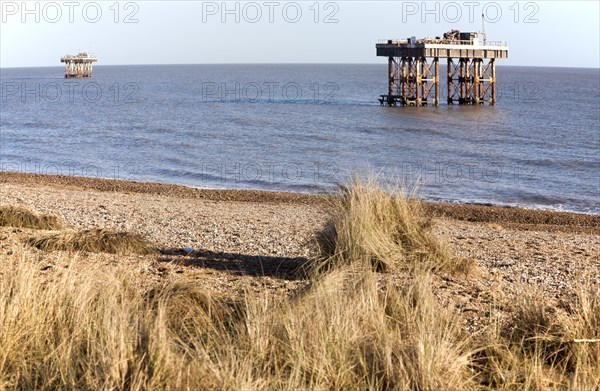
(78, 66)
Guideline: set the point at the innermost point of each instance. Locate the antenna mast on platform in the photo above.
(483, 28)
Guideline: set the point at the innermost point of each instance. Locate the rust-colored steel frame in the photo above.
(77, 68)
(413, 82)
(471, 81)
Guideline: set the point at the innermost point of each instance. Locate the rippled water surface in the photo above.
(307, 128)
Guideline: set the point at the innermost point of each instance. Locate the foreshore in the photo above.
(256, 239)
(510, 216)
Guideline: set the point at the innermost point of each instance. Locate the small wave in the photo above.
(557, 207)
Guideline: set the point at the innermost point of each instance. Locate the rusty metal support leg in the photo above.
(418, 81)
(450, 68)
(493, 81)
(390, 76)
(486, 82)
(462, 82)
(481, 81)
(425, 74)
(428, 82)
(477, 80)
(436, 99)
(410, 82)
(405, 74)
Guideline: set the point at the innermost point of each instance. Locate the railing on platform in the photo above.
(441, 42)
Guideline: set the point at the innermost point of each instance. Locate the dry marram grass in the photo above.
(384, 228)
(18, 217)
(94, 330)
(94, 240)
(541, 350)
(350, 330)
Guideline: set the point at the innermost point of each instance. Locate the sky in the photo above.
(38, 33)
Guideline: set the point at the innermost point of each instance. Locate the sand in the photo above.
(256, 240)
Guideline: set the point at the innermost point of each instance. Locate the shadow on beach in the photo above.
(287, 268)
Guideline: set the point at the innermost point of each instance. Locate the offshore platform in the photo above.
(78, 66)
(414, 81)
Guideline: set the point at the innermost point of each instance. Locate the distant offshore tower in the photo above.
(78, 66)
(471, 71)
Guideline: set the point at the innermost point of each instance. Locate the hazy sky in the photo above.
(38, 33)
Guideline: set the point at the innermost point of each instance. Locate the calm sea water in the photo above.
(307, 128)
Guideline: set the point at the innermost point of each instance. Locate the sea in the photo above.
(308, 128)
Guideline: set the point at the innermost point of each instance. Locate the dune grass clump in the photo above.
(18, 217)
(353, 331)
(381, 227)
(91, 329)
(192, 314)
(538, 349)
(96, 240)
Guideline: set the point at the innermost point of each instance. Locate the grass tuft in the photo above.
(18, 217)
(94, 240)
(382, 227)
(539, 349)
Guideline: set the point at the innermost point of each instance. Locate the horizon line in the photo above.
(281, 63)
